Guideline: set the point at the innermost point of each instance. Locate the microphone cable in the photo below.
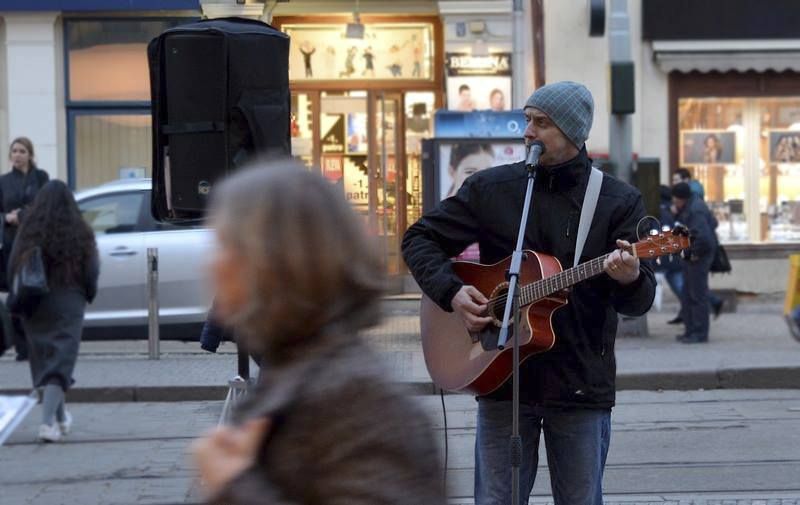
(444, 416)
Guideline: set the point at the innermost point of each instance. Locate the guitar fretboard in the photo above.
(562, 280)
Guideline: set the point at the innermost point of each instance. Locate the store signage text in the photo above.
(466, 64)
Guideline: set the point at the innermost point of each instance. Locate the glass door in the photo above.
(361, 151)
(387, 194)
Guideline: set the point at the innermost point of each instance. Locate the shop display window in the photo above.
(746, 154)
(388, 50)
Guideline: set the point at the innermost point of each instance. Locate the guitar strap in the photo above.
(587, 211)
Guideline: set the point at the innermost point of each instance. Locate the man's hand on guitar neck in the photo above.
(621, 265)
(470, 305)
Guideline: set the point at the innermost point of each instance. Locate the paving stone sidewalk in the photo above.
(751, 348)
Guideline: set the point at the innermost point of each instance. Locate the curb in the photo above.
(742, 378)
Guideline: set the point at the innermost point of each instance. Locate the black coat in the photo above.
(702, 225)
(17, 191)
(581, 368)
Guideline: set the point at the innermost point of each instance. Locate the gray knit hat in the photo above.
(569, 105)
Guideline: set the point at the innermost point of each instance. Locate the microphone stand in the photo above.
(513, 302)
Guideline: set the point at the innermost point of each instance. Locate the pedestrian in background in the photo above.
(53, 323)
(18, 188)
(676, 279)
(297, 279)
(670, 266)
(693, 213)
(684, 175)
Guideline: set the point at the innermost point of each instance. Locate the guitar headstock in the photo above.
(663, 243)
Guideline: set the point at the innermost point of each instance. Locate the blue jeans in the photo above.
(674, 279)
(694, 299)
(576, 441)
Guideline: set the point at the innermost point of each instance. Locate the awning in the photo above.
(726, 56)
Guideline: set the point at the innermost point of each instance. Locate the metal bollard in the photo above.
(152, 304)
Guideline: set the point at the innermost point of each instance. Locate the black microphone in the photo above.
(535, 150)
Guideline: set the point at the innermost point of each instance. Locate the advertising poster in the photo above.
(484, 124)
(459, 160)
(333, 134)
(356, 180)
(478, 82)
(357, 133)
(784, 146)
(708, 147)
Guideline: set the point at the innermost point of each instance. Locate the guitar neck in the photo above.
(562, 280)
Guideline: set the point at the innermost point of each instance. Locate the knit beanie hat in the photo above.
(682, 190)
(569, 105)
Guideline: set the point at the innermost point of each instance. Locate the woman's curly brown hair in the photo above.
(54, 223)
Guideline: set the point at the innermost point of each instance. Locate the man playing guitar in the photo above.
(568, 391)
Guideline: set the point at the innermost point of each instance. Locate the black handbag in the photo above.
(720, 264)
(29, 284)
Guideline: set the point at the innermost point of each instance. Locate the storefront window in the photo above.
(111, 146)
(779, 185)
(746, 153)
(108, 95)
(385, 51)
(107, 59)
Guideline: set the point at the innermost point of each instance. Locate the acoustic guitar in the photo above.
(458, 360)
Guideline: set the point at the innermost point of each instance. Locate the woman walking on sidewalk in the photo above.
(54, 321)
(18, 188)
(297, 279)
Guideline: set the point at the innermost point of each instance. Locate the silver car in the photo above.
(119, 214)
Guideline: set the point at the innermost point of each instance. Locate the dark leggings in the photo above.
(20, 344)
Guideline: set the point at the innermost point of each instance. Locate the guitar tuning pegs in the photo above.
(653, 232)
(665, 228)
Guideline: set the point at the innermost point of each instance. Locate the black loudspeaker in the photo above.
(623, 97)
(220, 96)
(647, 178)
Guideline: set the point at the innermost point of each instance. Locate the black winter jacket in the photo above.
(580, 369)
(17, 191)
(702, 226)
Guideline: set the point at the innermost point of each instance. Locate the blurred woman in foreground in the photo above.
(297, 279)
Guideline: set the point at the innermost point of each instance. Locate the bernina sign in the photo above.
(466, 64)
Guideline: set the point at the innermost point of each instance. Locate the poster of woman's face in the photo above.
(458, 161)
(784, 146)
(708, 147)
(478, 92)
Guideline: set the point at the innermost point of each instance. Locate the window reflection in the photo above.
(107, 60)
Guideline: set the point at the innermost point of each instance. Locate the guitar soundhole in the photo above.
(497, 305)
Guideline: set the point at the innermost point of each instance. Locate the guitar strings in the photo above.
(563, 274)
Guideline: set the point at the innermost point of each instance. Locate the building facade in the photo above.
(76, 82)
(719, 95)
(721, 98)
